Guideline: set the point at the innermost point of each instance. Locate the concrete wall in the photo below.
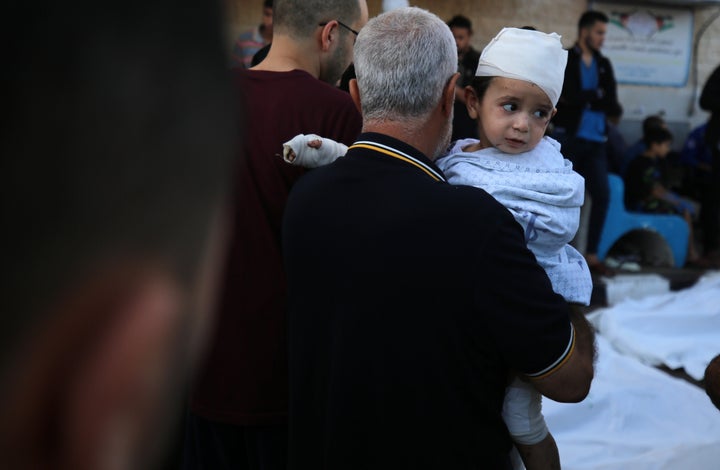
(487, 16)
(679, 105)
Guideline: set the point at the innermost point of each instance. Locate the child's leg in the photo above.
(541, 456)
(522, 412)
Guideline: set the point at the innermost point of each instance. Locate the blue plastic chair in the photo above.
(619, 222)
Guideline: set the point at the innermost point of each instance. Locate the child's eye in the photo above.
(541, 114)
(509, 106)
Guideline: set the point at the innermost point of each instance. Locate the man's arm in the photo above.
(570, 381)
(538, 333)
(607, 92)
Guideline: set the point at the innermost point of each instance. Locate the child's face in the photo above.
(661, 149)
(512, 116)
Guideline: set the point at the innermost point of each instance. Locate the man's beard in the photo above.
(589, 45)
(335, 66)
(444, 142)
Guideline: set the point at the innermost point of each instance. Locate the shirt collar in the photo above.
(578, 51)
(391, 147)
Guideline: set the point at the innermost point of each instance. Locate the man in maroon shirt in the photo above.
(238, 407)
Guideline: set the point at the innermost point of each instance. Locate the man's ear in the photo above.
(471, 102)
(355, 93)
(448, 97)
(328, 35)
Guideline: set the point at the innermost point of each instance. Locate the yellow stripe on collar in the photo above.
(390, 153)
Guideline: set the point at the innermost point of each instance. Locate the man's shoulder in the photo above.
(298, 83)
(450, 199)
(284, 104)
(602, 59)
(469, 202)
(296, 78)
(574, 51)
(573, 59)
(324, 94)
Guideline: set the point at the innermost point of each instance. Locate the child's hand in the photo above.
(315, 143)
(288, 154)
(312, 151)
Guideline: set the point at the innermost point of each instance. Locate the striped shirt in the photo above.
(246, 46)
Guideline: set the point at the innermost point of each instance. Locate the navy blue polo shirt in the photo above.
(410, 301)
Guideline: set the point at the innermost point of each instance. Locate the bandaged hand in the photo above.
(312, 151)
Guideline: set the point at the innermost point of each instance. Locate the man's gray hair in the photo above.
(300, 18)
(403, 61)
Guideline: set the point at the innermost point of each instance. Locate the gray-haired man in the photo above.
(411, 299)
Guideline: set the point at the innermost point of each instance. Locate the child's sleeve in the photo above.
(312, 151)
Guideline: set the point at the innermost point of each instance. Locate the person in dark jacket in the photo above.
(589, 94)
(463, 125)
(710, 212)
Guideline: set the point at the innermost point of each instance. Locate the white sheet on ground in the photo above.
(678, 329)
(636, 417)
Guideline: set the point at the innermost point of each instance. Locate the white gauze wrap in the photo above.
(532, 56)
(309, 157)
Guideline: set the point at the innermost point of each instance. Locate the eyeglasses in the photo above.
(324, 23)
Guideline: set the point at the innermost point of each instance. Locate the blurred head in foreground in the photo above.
(116, 142)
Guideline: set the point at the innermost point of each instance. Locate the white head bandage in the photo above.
(532, 56)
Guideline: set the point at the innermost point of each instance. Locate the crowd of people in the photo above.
(501, 84)
(350, 249)
(406, 303)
